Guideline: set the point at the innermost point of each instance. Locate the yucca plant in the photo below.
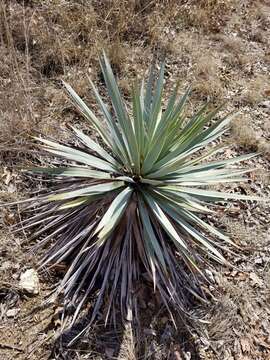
(132, 207)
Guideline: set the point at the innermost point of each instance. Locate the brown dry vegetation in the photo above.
(222, 48)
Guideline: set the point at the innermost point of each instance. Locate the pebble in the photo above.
(29, 282)
(12, 312)
(265, 104)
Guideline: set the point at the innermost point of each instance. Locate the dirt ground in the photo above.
(220, 47)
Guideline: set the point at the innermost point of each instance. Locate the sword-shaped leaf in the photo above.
(87, 191)
(72, 172)
(114, 213)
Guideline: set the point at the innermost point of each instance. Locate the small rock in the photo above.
(12, 312)
(256, 280)
(265, 104)
(29, 282)
(258, 261)
(6, 265)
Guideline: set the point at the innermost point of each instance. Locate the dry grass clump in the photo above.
(208, 83)
(254, 89)
(264, 147)
(17, 106)
(235, 54)
(239, 232)
(236, 321)
(53, 35)
(63, 40)
(160, 24)
(246, 137)
(24, 104)
(258, 20)
(67, 33)
(234, 45)
(71, 33)
(259, 12)
(41, 43)
(209, 16)
(239, 61)
(243, 134)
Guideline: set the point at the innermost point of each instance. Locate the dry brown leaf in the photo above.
(256, 280)
(245, 344)
(242, 276)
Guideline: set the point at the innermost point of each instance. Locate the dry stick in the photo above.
(11, 347)
(40, 343)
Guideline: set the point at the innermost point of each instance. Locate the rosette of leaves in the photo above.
(132, 208)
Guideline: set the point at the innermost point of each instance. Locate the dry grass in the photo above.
(221, 47)
(255, 89)
(240, 233)
(244, 134)
(208, 83)
(42, 44)
(235, 52)
(235, 311)
(249, 139)
(208, 16)
(128, 346)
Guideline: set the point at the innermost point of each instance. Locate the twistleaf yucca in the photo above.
(132, 209)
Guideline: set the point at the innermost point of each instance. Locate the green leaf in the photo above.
(71, 172)
(92, 145)
(119, 147)
(114, 213)
(74, 203)
(150, 234)
(87, 191)
(164, 221)
(203, 241)
(149, 94)
(77, 155)
(89, 115)
(215, 164)
(213, 195)
(155, 114)
(139, 126)
(121, 113)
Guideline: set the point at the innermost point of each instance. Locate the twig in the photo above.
(11, 347)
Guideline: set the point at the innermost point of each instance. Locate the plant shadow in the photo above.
(151, 339)
(98, 342)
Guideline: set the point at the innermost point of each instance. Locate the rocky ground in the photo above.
(222, 49)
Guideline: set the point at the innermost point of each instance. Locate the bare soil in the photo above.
(222, 48)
